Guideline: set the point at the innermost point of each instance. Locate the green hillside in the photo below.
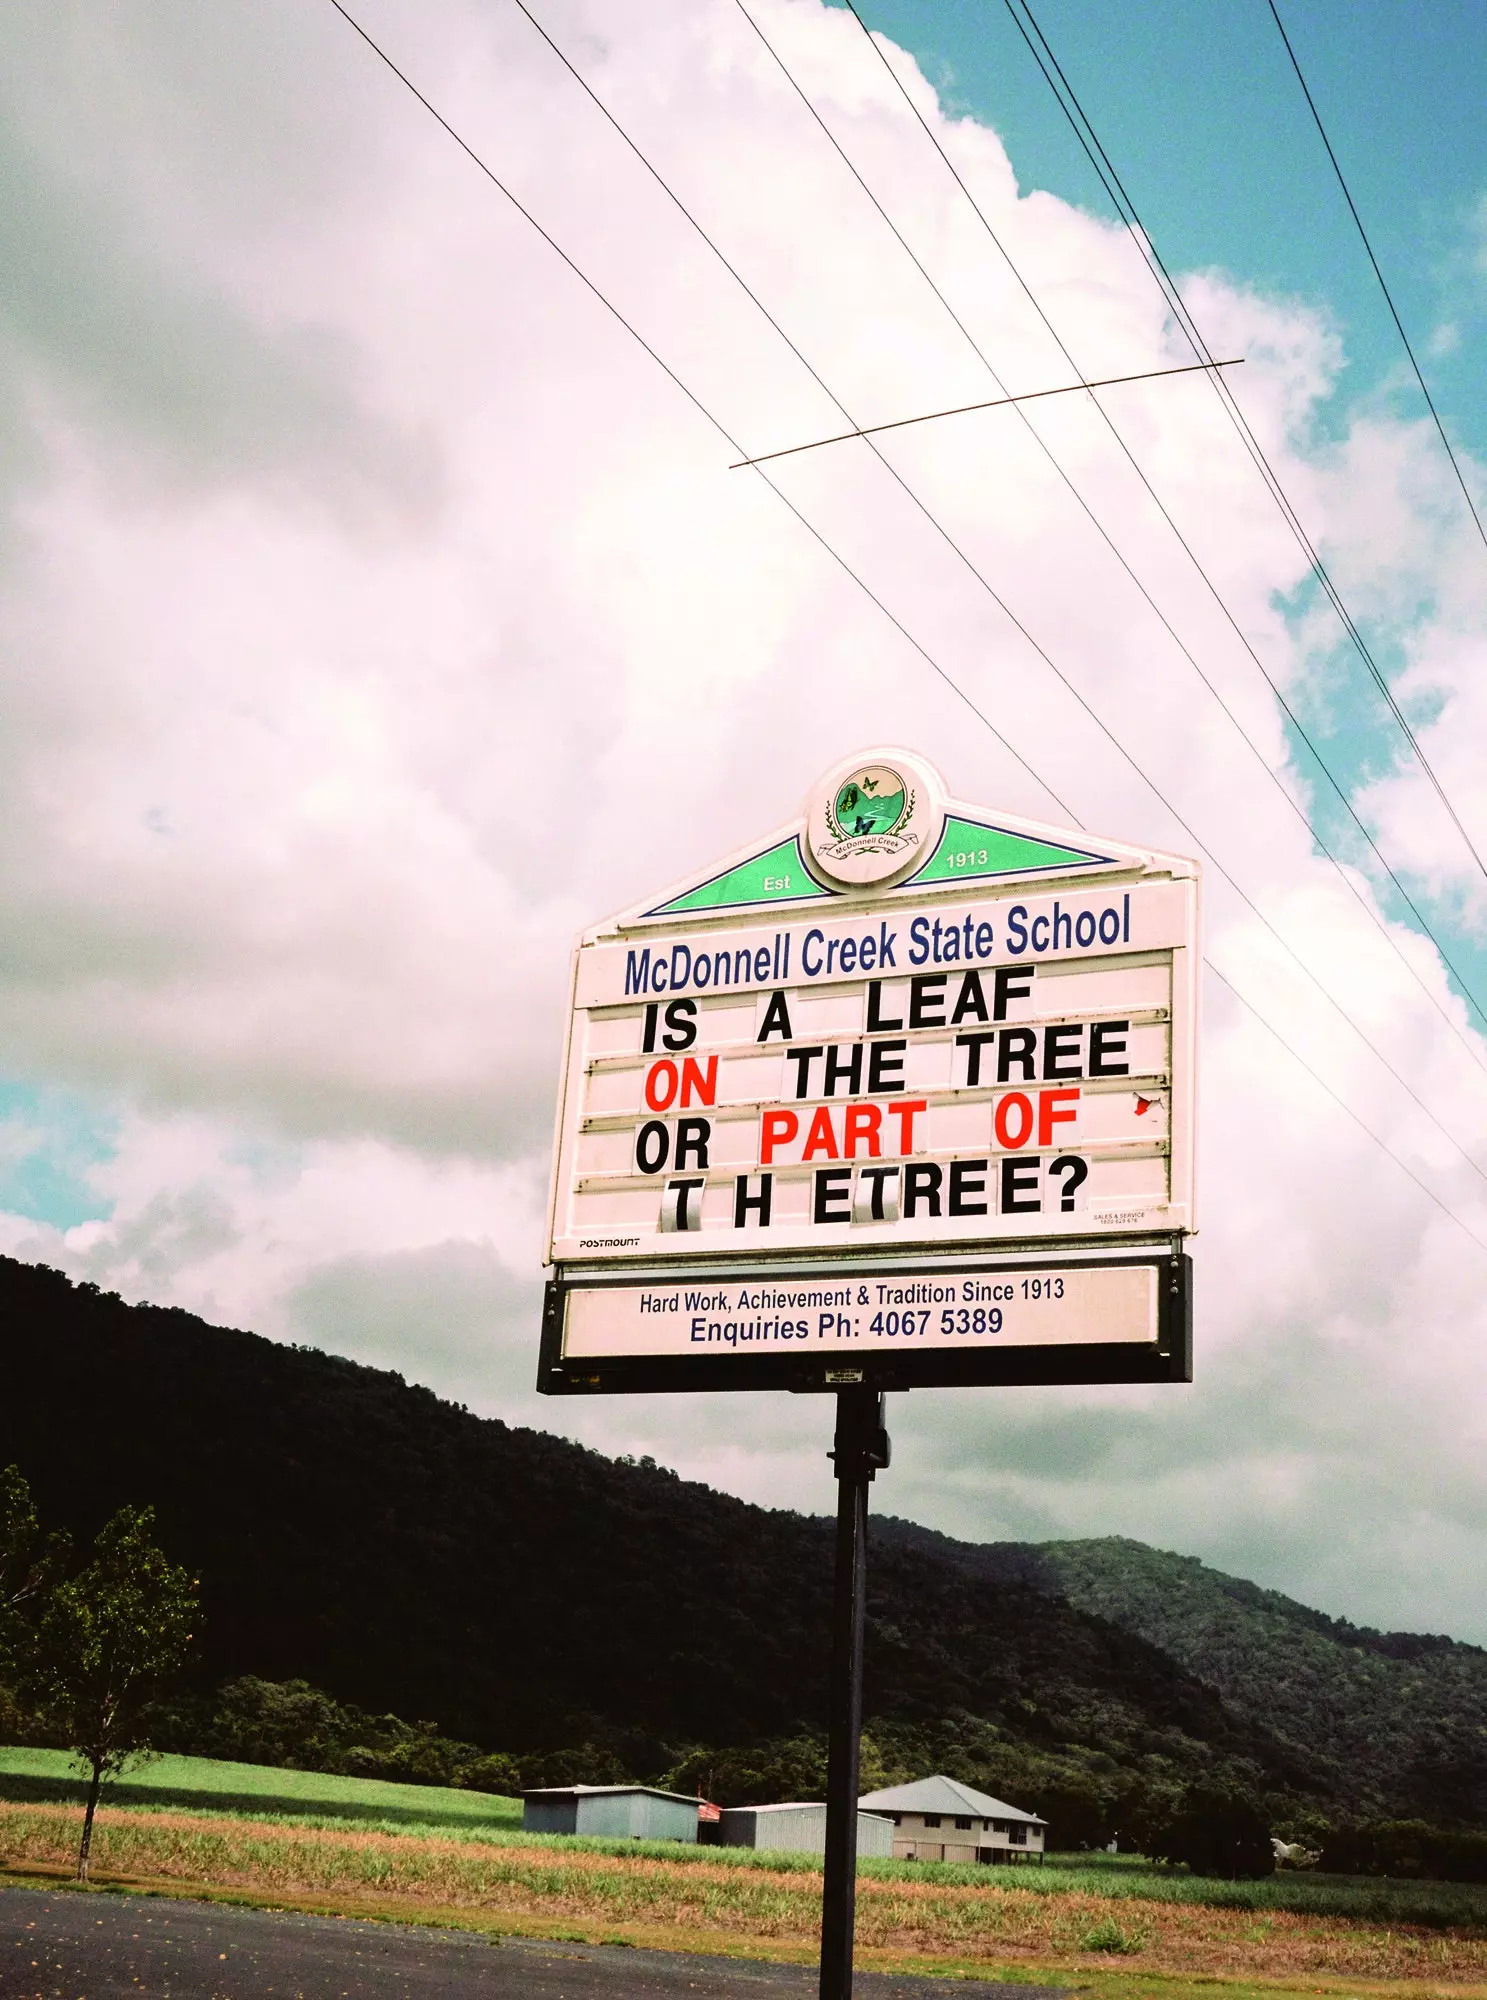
(581, 1616)
(209, 1783)
(1397, 1721)
(584, 1617)
(1403, 1716)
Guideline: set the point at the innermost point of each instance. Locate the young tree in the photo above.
(110, 1639)
(29, 1563)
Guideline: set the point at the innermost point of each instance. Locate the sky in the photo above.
(376, 611)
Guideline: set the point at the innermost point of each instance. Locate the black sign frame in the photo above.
(1167, 1359)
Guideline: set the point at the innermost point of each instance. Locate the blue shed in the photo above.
(612, 1812)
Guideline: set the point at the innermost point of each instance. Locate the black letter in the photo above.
(685, 1219)
(1108, 1038)
(974, 1044)
(876, 1178)
(875, 1021)
(926, 990)
(648, 1040)
(692, 1135)
(652, 1144)
(967, 1178)
(837, 1070)
(830, 1197)
(884, 1059)
(1017, 1046)
(922, 1183)
(1005, 990)
(1057, 1053)
(1020, 1178)
(802, 1059)
(776, 1019)
(971, 1000)
(743, 1201)
(681, 1019)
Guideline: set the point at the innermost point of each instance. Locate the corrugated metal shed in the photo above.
(799, 1827)
(615, 1812)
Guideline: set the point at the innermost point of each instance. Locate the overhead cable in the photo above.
(1317, 1078)
(1347, 196)
(984, 581)
(728, 438)
(721, 429)
(968, 409)
(1084, 131)
(1364, 902)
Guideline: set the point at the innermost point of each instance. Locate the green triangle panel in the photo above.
(967, 850)
(780, 876)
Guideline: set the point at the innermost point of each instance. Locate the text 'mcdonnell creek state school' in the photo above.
(922, 940)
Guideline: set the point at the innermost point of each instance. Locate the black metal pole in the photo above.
(861, 1449)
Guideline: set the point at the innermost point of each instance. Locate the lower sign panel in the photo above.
(1096, 1321)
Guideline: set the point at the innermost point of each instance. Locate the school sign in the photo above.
(901, 1093)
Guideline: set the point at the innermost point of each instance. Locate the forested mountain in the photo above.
(527, 1594)
(1407, 1709)
(1399, 1718)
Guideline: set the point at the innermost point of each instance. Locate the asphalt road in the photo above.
(61, 1945)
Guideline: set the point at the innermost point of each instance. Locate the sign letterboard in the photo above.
(908, 1055)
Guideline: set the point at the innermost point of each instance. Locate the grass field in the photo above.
(413, 1852)
(204, 1782)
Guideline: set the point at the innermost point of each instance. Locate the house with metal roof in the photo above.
(616, 1812)
(940, 1819)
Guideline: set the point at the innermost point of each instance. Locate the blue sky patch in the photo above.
(49, 1143)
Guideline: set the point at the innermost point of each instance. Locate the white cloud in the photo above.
(376, 613)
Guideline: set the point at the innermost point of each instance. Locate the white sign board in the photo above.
(901, 1029)
(998, 1049)
(887, 1312)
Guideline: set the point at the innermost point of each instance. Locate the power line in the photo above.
(1276, 689)
(1236, 416)
(1321, 1081)
(718, 426)
(986, 585)
(641, 341)
(1078, 119)
(967, 409)
(1383, 287)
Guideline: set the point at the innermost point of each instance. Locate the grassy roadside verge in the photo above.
(1076, 1975)
(708, 1904)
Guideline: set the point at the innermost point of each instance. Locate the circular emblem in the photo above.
(874, 820)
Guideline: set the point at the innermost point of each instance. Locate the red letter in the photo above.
(661, 1077)
(864, 1121)
(703, 1081)
(1015, 1101)
(777, 1128)
(904, 1112)
(1048, 1113)
(820, 1138)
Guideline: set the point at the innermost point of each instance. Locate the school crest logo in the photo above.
(871, 822)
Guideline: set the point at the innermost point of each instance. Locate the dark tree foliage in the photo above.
(30, 1562)
(354, 1532)
(1408, 1849)
(110, 1640)
(1215, 1831)
(290, 1723)
(792, 1767)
